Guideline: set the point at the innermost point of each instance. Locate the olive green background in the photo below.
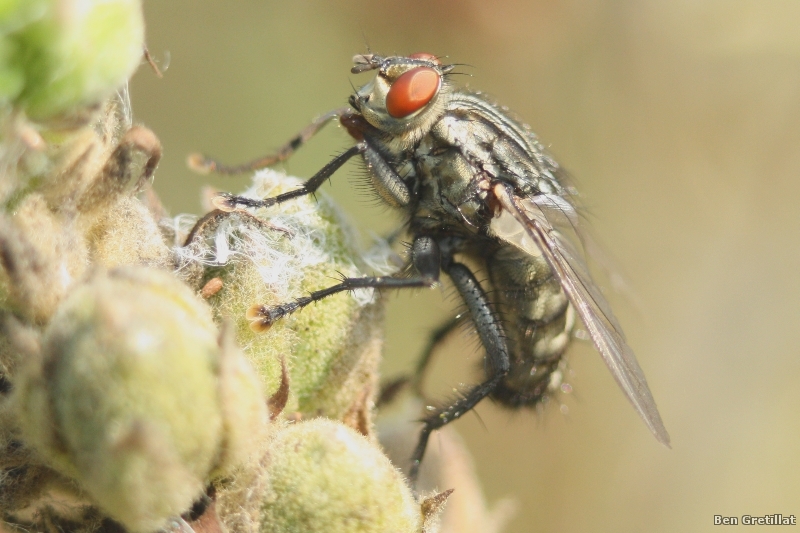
(681, 123)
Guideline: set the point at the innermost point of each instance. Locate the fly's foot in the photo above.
(201, 164)
(230, 202)
(262, 317)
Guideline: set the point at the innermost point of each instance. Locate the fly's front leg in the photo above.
(490, 331)
(388, 184)
(205, 165)
(425, 257)
(230, 202)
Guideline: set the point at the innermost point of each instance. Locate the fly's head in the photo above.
(407, 96)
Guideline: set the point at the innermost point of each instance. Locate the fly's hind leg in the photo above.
(390, 389)
(206, 165)
(490, 331)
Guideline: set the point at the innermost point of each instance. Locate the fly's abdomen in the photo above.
(538, 321)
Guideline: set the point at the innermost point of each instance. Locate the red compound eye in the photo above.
(426, 56)
(412, 91)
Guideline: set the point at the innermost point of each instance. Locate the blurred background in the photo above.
(681, 123)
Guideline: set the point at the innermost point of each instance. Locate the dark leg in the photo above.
(437, 337)
(205, 165)
(493, 339)
(390, 389)
(424, 255)
(387, 183)
(229, 202)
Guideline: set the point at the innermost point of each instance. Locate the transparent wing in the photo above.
(531, 225)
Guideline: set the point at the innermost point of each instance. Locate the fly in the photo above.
(477, 188)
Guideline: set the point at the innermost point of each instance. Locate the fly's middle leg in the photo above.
(425, 257)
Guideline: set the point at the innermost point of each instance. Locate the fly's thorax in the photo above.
(449, 185)
(499, 146)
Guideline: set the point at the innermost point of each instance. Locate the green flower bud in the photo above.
(57, 56)
(14, 15)
(331, 348)
(23, 478)
(322, 476)
(127, 234)
(447, 464)
(42, 255)
(135, 398)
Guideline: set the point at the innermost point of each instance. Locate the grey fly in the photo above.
(477, 188)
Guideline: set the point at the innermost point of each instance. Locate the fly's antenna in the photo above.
(363, 63)
(450, 70)
(366, 41)
(452, 66)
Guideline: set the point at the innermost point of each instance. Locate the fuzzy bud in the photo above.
(249, 262)
(135, 397)
(322, 476)
(447, 463)
(59, 56)
(42, 256)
